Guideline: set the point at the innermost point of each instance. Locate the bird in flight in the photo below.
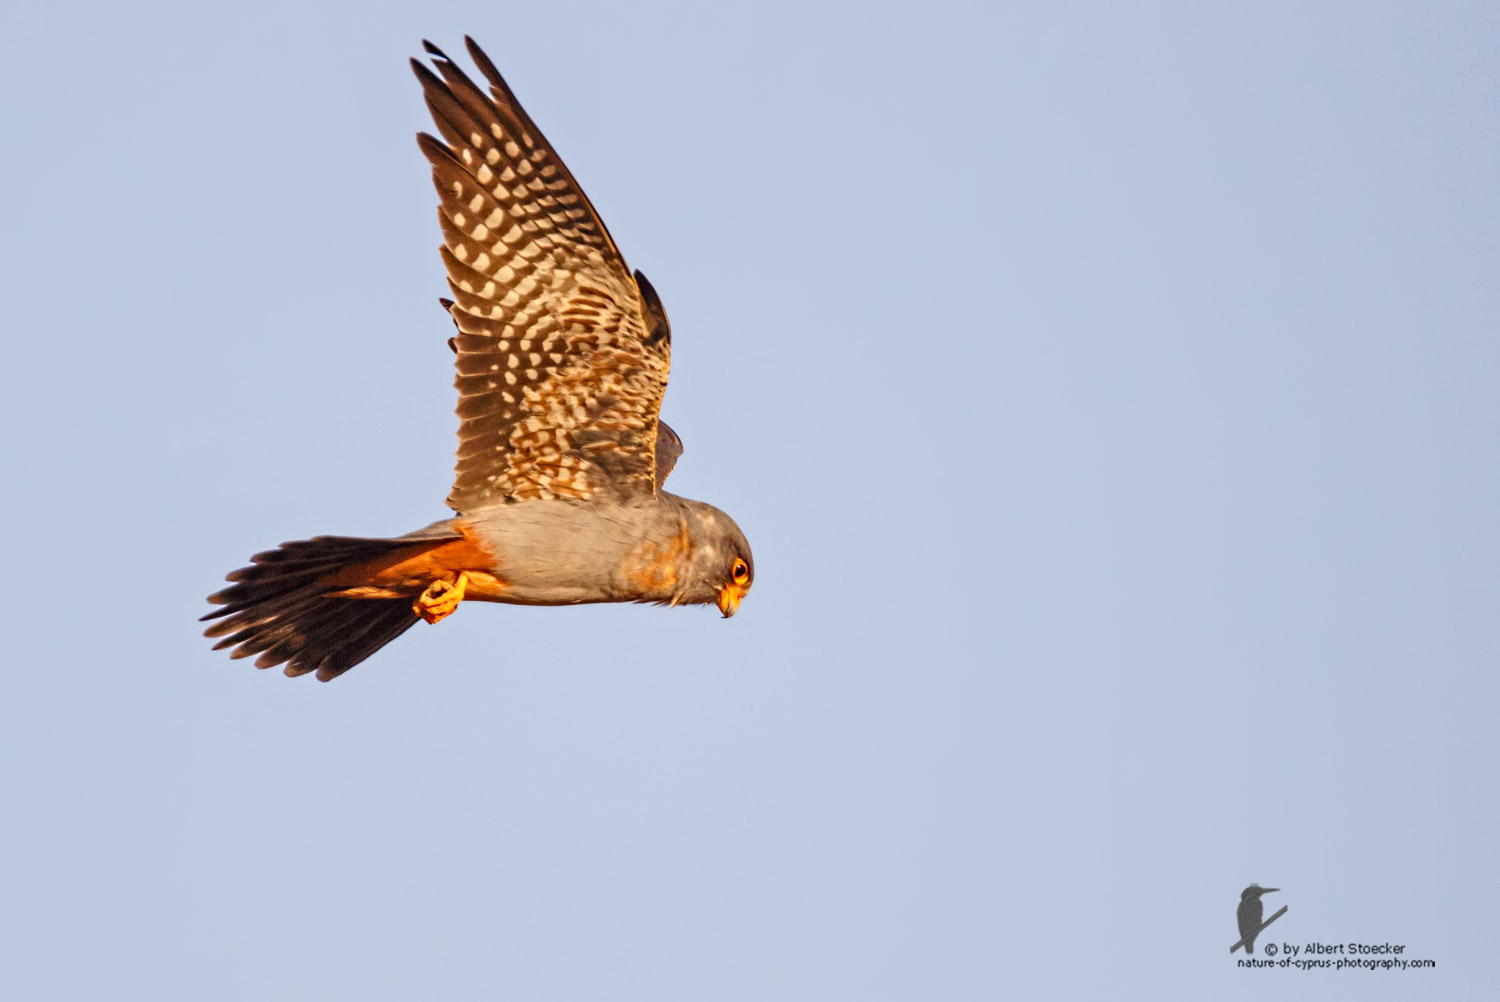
(562, 355)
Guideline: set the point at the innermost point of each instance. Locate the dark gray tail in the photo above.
(276, 608)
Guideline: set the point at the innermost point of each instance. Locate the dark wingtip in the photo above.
(435, 149)
(486, 66)
(428, 78)
(660, 328)
(431, 49)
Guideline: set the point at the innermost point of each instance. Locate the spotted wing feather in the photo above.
(563, 354)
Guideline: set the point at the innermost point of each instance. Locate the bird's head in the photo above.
(1255, 891)
(722, 568)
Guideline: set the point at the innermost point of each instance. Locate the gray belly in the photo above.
(563, 552)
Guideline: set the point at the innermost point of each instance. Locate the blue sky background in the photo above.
(1109, 393)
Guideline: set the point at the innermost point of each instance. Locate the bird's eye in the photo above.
(741, 572)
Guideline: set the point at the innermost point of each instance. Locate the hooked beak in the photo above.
(729, 599)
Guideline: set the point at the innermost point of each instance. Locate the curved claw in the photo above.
(440, 599)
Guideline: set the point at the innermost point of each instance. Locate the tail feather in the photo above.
(367, 632)
(255, 615)
(277, 608)
(292, 565)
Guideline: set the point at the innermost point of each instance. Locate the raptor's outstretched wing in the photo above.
(563, 354)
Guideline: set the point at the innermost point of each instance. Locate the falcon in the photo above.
(562, 355)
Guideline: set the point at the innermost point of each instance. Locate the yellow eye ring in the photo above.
(741, 572)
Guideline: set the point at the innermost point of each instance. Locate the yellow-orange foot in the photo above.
(440, 599)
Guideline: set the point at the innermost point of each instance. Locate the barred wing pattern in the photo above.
(563, 355)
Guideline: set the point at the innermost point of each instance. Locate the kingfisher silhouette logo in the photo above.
(1309, 954)
(1249, 915)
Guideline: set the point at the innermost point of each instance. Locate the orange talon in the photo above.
(440, 599)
